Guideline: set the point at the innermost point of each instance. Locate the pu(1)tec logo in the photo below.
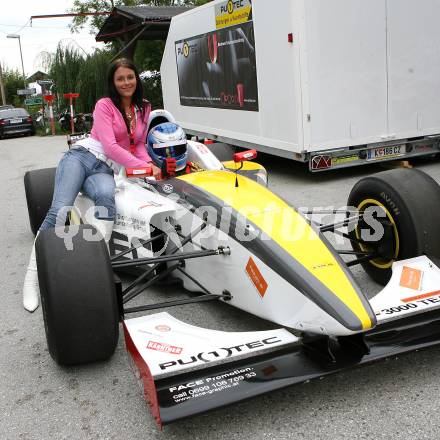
(187, 49)
(220, 353)
(231, 6)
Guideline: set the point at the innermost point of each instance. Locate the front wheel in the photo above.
(78, 295)
(406, 222)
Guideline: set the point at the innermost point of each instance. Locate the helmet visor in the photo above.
(170, 150)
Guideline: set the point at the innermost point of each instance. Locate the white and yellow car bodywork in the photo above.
(280, 267)
(277, 266)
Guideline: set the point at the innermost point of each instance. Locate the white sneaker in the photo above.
(31, 288)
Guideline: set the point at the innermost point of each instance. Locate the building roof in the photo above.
(38, 75)
(131, 19)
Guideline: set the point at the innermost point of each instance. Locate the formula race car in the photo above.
(227, 237)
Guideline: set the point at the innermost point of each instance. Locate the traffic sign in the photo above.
(49, 98)
(71, 95)
(45, 82)
(33, 101)
(26, 91)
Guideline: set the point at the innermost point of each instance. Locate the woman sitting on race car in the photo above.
(117, 139)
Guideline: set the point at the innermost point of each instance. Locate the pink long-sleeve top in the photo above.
(110, 130)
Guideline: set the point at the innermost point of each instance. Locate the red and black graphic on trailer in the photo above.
(218, 69)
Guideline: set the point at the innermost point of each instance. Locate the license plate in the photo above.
(386, 152)
(15, 121)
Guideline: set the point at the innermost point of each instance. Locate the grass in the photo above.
(46, 131)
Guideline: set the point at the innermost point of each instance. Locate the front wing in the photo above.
(182, 375)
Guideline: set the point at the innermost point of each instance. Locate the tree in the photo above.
(13, 80)
(65, 68)
(96, 22)
(147, 54)
(92, 79)
(73, 72)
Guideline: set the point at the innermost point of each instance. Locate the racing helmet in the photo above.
(167, 140)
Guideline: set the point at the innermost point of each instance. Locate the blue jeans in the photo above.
(81, 170)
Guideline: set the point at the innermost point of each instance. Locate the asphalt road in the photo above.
(396, 399)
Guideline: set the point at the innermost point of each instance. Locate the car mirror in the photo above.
(245, 155)
(139, 172)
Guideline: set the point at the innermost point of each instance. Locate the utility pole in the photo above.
(2, 86)
(21, 54)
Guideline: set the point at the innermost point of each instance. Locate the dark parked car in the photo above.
(15, 121)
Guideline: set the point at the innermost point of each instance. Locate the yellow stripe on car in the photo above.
(286, 227)
(247, 166)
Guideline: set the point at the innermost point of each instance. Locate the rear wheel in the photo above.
(78, 295)
(407, 219)
(39, 186)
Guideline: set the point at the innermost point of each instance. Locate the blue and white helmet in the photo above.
(167, 140)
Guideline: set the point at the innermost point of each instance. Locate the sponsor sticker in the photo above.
(150, 205)
(187, 347)
(206, 357)
(207, 386)
(202, 148)
(423, 301)
(255, 276)
(163, 328)
(165, 348)
(218, 49)
(232, 12)
(168, 188)
(344, 159)
(420, 297)
(411, 278)
(323, 265)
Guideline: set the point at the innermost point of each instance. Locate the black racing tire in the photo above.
(223, 152)
(78, 296)
(411, 201)
(39, 187)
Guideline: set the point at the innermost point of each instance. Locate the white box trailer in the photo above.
(333, 82)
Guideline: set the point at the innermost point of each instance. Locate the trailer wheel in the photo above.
(78, 295)
(408, 202)
(38, 186)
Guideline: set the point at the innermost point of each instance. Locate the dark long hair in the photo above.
(138, 95)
